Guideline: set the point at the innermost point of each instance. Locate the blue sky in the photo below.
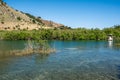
(73, 13)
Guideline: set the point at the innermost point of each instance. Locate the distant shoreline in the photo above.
(61, 34)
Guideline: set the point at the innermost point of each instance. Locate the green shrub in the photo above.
(19, 18)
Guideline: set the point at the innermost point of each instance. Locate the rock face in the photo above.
(11, 19)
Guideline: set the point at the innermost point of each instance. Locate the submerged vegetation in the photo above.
(31, 47)
(62, 34)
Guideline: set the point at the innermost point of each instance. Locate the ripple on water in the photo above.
(72, 61)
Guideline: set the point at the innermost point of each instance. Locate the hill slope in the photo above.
(11, 19)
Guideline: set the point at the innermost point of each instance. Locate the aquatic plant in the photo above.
(35, 47)
(31, 47)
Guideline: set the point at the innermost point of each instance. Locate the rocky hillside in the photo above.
(11, 19)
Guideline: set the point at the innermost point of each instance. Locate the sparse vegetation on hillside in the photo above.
(18, 18)
(11, 17)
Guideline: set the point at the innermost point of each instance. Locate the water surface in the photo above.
(73, 60)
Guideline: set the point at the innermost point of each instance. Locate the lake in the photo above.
(73, 60)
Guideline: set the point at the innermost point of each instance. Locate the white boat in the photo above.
(110, 37)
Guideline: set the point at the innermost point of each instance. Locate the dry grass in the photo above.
(9, 18)
(30, 51)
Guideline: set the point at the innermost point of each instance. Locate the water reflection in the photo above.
(74, 60)
(7, 46)
(110, 44)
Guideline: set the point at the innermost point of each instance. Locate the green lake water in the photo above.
(73, 60)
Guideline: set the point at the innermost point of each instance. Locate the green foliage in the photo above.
(31, 16)
(19, 18)
(62, 34)
(42, 44)
(33, 21)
